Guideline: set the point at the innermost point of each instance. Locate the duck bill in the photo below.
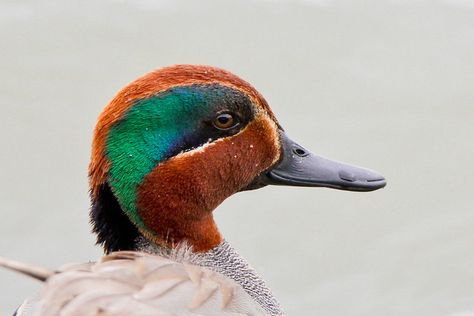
(299, 167)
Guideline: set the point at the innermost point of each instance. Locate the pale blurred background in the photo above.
(386, 84)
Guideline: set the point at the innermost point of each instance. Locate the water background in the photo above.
(384, 84)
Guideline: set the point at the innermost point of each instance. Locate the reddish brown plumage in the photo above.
(177, 198)
(151, 84)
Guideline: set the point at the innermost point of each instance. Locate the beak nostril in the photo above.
(300, 152)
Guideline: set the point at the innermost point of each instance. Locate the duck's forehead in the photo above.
(199, 100)
(177, 76)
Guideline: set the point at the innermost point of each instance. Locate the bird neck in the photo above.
(116, 232)
(225, 260)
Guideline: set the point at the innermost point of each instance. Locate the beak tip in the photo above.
(377, 182)
(362, 179)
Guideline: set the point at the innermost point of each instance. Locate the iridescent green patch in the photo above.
(157, 128)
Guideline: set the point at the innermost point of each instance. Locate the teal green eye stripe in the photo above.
(151, 130)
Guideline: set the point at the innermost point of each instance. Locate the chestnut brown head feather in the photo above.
(151, 84)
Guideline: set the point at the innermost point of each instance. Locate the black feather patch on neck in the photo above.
(113, 228)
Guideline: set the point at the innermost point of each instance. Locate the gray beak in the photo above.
(299, 167)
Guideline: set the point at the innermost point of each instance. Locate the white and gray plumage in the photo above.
(138, 283)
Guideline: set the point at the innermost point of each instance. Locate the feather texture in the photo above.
(134, 283)
(38, 273)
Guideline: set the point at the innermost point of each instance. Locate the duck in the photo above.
(167, 150)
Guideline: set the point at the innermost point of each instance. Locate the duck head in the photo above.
(175, 143)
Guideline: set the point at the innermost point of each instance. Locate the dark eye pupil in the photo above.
(223, 119)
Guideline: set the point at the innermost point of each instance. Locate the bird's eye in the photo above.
(225, 121)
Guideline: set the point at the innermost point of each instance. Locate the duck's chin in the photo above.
(258, 183)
